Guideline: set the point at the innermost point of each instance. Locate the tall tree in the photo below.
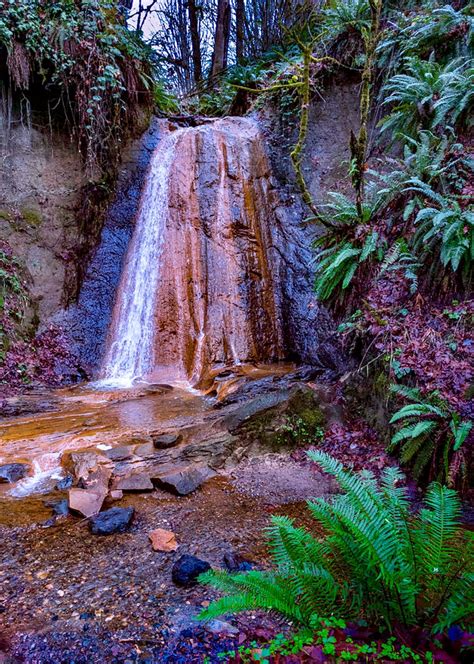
(221, 38)
(240, 28)
(195, 40)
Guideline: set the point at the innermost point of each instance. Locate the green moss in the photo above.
(5, 215)
(32, 216)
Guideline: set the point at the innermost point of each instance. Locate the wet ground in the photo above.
(69, 596)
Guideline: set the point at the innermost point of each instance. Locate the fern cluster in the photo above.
(430, 436)
(378, 560)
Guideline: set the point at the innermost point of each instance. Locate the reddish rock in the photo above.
(163, 540)
(87, 501)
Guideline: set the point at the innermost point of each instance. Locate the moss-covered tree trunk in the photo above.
(359, 142)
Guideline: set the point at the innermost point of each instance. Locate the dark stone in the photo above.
(12, 472)
(183, 480)
(114, 520)
(186, 570)
(59, 507)
(236, 563)
(166, 440)
(65, 483)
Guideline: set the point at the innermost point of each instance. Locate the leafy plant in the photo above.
(347, 15)
(377, 560)
(430, 436)
(399, 258)
(427, 94)
(449, 230)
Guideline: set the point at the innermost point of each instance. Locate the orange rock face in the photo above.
(210, 296)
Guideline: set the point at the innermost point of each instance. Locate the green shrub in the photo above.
(378, 560)
(430, 436)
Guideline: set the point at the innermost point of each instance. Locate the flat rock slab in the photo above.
(114, 520)
(13, 472)
(186, 570)
(136, 482)
(120, 453)
(87, 501)
(182, 480)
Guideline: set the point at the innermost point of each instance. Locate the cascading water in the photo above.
(197, 290)
(129, 353)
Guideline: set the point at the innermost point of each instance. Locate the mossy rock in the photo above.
(270, 428)
(31, 216)
(5, 215)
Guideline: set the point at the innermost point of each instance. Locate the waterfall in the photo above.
(129, 352)
(197, 289)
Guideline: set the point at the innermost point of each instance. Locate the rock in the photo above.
(120, 453)
(59, 507)
(12, 472)
(145, 450)
(84, 463)
(116, 494)
(183, 480)
(136, 482)
(186, 570)
(86, 501)
(166, 440)
(65, 483)
(163, 540)
(221, 627)
(235, 563)
(114, 520)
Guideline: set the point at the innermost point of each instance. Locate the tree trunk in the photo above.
(240, 24)
(222, 36)
(195, 41)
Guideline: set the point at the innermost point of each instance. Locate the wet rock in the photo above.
(121, 453)
(28, 404)
(135, 482)
(82, 464)
(186, 570)
(114, 520)
(86, 501)
(59, 507)
(13, 472)
(163, 540)
(158, 388)
(236, 563)
(166, 440)
(183, 480)
(65, 483)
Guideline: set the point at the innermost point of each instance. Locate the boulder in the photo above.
(182, 480)
(12, 472)
(186, 570)
(84, 463)
(86, 501)
(114, 520)
(164, 441)
(163, 540)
